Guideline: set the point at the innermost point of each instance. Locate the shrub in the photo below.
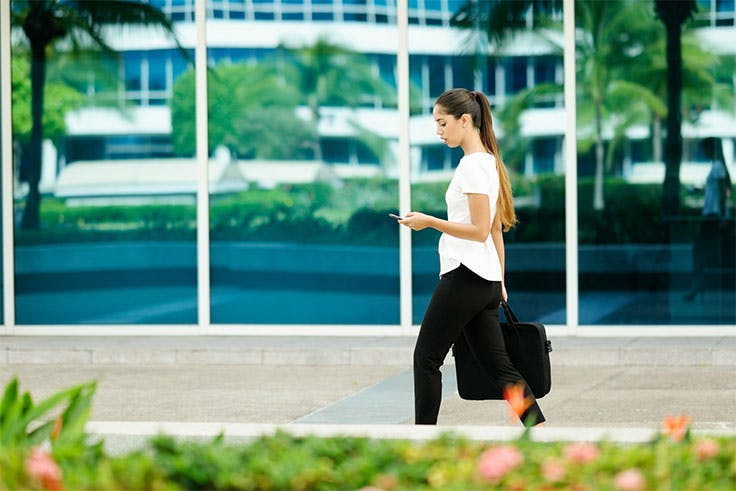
(43, 451)
(355, 213)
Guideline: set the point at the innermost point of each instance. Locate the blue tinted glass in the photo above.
(516, 74)
(544, 150)
(133, 70)
(293, 239)
(336, 150)
(489, 77)
(387, 68)
(462, 72)
(434, 157)
(433, 5)
(724, 5)
(118, 218)
(544, 70)
(180, 64)
(415, 68)
(436, 75)
(157, 61)
(455, 5)
(355, 17)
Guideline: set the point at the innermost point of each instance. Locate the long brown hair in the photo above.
(462, 101)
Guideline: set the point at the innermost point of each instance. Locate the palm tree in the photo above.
(701, 87)
(327, 74)
(601, 52)
(44, 22)
(603, 75)
(673, 14)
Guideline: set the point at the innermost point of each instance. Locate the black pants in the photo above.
(462, 303)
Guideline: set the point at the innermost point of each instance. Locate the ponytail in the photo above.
(488, 138)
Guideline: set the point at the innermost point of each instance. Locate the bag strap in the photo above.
(510, 316)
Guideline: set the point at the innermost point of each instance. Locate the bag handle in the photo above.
(510, 316)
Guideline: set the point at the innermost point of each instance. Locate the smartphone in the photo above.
(396, 217)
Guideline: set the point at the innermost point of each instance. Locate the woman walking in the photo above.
(471, 287)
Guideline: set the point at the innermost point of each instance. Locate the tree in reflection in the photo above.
(81, 24)
(251, 111)
(620, 61)
(329, 74)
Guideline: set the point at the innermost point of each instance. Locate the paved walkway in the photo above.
(199, 385)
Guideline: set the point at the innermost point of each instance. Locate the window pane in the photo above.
(307, 176)
(516, 74)
(654, 250)
(112, 240)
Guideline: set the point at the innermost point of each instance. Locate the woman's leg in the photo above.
(485, 339)
(458, 297)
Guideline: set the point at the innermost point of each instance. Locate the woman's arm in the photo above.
(478, 230)
(497, 236)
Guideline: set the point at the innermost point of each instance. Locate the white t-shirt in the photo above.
(475, 174)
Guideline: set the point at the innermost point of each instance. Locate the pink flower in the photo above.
(629, 480)
(41, 466)
(582, 452)
(553, 470)
(706, 449)
(496, 462)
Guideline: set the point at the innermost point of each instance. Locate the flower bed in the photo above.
(57, 455)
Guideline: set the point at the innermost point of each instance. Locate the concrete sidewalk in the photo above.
(619, 384)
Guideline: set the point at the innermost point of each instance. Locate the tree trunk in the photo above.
(31, 214)
(317, 143)
(656, 139)
(598, 201)
(673, 144)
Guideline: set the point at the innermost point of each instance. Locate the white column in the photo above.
(7, 171)
(402, 79)
(203, 208)
(571, 171)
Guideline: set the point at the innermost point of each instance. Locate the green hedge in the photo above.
(43, 446)
(449, 463)
(355, 212)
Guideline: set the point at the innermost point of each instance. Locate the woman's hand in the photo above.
(417, 221)
(504, 295)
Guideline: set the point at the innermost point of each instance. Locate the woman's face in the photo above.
(449, 128)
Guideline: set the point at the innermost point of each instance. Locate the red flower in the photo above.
(676, 426)
(496, 462)
(41, 466)
(514, 395)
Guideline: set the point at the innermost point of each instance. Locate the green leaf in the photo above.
(10, 395)
(76, 415)
(24, 412)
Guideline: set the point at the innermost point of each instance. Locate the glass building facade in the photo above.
(303, 159)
